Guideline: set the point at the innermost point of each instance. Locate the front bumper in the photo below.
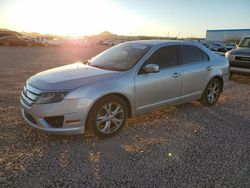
(240, 64)
(74, 112)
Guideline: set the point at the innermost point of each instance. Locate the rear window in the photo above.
(192, 54)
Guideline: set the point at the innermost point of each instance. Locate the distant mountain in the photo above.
(7, 32)
(2, 29)
(33, 34)
(106, 33)
(36, 34)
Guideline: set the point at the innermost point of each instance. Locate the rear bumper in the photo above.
(225, 78)
(74, 112)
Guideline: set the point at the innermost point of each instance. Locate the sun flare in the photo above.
(75, 18)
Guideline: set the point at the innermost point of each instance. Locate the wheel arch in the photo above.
(125, 99)
(220, 79)
(217, 77)
(122, 96)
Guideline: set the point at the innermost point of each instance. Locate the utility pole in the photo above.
(178, 35)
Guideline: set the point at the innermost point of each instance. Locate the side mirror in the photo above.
(151, 68)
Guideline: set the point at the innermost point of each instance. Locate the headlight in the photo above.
(45, 98)
(229, 56)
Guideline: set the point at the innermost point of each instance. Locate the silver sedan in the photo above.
(123, 81)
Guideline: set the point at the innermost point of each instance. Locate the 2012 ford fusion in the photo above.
(123, 81)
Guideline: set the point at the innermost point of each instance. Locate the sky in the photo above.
(183, 18)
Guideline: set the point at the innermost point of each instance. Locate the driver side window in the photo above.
(165, 57)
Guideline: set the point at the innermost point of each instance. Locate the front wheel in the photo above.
(212, 92)
(107, 116)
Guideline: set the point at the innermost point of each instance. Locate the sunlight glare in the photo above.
(72, 18)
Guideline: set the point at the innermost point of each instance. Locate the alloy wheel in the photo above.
(110, 117)
(213, 92)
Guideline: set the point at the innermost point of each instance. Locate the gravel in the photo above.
(185, 146)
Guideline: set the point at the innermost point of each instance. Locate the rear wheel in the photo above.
(108, 116)
(212, 92)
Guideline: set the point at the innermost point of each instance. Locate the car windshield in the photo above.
(121, 57)
(245, 43)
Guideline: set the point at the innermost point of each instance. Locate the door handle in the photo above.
(176, 75)
(209, 68)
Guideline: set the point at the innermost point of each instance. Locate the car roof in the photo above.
(159, 43)
(162, 42)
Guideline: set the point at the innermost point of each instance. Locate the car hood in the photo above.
(240, 51)
(69, 77)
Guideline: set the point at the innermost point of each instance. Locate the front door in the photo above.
(154, 90)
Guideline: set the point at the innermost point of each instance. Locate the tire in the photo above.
(212, 92)
(112, 112)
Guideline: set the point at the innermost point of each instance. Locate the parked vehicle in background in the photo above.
(30, 40)
(112, 42)
(226, 47)
(117, 42)
(86, 43)
(99, 42)
(230, 46)
(123, 81)
(240, 57)
(48, 41)
(108, 42)
(219, 53)
(205, 43)
(219, 46)
(13, 41)
(216, 46)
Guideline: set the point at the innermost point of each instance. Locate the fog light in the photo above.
(55, 121)
(30, 117)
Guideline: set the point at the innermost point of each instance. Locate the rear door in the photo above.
(196, 68)
(153, 90)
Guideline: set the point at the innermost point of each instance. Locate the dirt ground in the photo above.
(185, 146)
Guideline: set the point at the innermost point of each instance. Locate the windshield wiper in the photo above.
(97, 66)
(101, 67)
(86, 62)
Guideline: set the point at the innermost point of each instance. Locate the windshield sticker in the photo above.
(139, 46)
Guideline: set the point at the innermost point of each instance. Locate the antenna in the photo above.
(178, 35)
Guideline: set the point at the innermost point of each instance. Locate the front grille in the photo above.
(242, 58)
(30, 117)
(29, 94)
